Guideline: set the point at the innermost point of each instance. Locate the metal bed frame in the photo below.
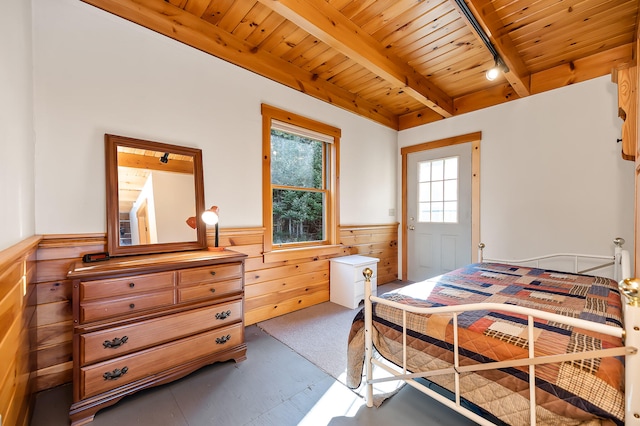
(630, 336)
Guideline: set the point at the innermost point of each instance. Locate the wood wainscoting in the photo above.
(276, 288)
(380, 241)
(17, 329)
(54, 330)
(271, 289)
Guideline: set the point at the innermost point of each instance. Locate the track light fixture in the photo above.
(165, 158)
(494, 72)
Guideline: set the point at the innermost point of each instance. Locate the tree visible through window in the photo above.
(298, 186)
(299, 180)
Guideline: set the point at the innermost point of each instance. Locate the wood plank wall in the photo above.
(54, 330)
(17, 328)
(272, 289)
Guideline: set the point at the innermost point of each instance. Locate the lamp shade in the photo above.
(210, 217)
(192, 222)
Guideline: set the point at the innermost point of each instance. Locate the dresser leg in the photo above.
(83, 417)
(83, 412)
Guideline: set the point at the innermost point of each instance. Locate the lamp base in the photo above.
(215, 248)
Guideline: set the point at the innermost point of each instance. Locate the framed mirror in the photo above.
(153, 189)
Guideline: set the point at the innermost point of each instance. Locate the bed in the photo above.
(510, 343)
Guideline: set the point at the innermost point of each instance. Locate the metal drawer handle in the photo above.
(213, 272)
(115, 342)
(115, 374)
(223, 315)
(213, 290)
(222, 340)
(132, 285)
(132, 305)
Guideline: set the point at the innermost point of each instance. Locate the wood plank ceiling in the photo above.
(135, 165)
(402, 63)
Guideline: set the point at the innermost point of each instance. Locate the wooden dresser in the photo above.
(141, 321)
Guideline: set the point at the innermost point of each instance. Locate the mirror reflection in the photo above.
(152, 189)
(155, 196)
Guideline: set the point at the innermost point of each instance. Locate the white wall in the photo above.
(551, 173)
(96, 73)
(552, 178)
(174, 203)
(16, 124)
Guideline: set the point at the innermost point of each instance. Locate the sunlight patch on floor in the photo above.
(337, 401)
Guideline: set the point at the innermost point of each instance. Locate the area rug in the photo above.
(320, 333)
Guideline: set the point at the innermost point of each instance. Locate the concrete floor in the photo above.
(273, 386)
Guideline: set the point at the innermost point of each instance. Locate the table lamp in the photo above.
(210, 217)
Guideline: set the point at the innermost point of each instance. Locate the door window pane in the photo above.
(425, 191)
(451, 168)
(451, 190)
(437, 170)
(424, 212)
(424, 172)
(437, 212)
(450, 212)
(438, 190)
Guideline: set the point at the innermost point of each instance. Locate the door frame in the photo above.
(474, 139)
(142, 221)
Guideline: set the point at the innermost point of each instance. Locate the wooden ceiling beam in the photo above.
(173, 22)
(577, 71)
(329, 25)
(153, 163)
(518, 75)
(581, 69)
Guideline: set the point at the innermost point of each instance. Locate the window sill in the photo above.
(300, 253)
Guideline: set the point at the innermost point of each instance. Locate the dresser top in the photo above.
(127, 265)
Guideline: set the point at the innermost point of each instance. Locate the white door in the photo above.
(438, 211)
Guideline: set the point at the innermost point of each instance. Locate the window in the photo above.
(438, 190)
(299, 180)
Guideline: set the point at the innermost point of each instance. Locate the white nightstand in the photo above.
(347, 281)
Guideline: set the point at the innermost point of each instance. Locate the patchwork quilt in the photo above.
(589, 391)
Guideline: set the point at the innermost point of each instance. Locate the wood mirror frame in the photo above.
(161, 154)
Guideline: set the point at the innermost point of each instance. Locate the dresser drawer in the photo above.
(209, 274)
(101, 345)
(100, 289)
(209, 290)
(111, 374)
(107, 308)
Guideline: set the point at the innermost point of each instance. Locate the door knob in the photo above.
(412, 228)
